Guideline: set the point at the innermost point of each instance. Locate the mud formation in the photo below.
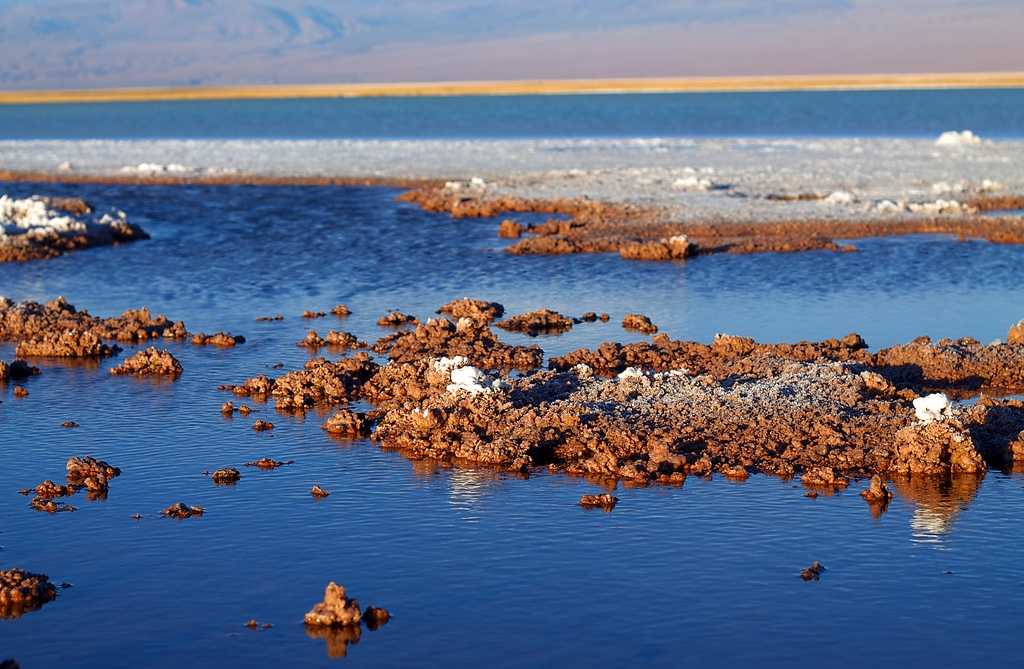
(604, 501)
(86, 473)
(222, 339)
(1016, 334)
(479, 310)
(226, 476)
(469, 338)
(37, 228)
(149, 362)
(639, 323)
(814, 572)
(650, 233)
(317, 491)
(877, 492)
(395, 319)
(542, 321)
(16, 370)
(262, 425)
(313, 314)
(375, 617)
(268, 463)
(341, 310)
(347, 424)
(321, 382)
(336, 610)
(180, 510)
(22, 591)
(20, 392)
(58, 329)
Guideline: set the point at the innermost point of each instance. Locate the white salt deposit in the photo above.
(693, 183)
(631, 373)
(839, 197)
(954, 138)
(933, 407)
(446, 365)
(156, 168)
(31, 216)
(466, 378)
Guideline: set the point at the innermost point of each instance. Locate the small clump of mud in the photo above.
(639, 323)
(603, 501)
(222, 339)
(814, 572)
(226, 476)
(341, 339)
(149, 362)
(22, 592)
(308, 313)
(533, 323)
(479, 310)
(321, 382)
(394, 319)
(469, 338)
(180, 510)
(262, 425)
(17, 370)
(268, 463)
(341, 310)
(86, 473)
(877, 492)
(317, 491)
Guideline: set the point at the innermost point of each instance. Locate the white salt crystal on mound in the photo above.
(465, 377)
(631, 373)
(839, 197)
(155, 168)
(933, 407)
(30, 215)
(446, 365)
(938, 207)
(954, 138)
(889, 207)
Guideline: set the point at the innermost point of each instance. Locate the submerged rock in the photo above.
(603, 501)
(226, 475)
(222, 339)
(877, 492)
(375, 617)
(396, 319)
(317, 491)
(349, 424)
(479, 310)
(533, 323)
(813, 573)
(181, 510)
(639, 323)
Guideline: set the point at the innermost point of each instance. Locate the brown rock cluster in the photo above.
(180, 510)
(86, 473)
(222, 339)
(639, 323)
(149, 362)
(533, 323)
(478, 310)
(348, 424)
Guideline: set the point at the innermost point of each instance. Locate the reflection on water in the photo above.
(337, 639)
(937, 503)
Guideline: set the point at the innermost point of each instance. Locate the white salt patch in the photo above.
(939, 207)
(988, 185)
(446, 365)
(693, 183)
(942, 187)
(889, 207)
(631, 373)
(64, 167)
(933, 407)
(839, 197)
(30, 216)
(954, 138)
(155, 168)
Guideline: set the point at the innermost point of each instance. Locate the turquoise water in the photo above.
(990, 113)
(478, 568)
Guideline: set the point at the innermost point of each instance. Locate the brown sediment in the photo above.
(42, 243)
(48, 490)
(345, 423)
(228, 408)
(49, 505)
(336, 609)
(603, 501)
(58, 329)
(223, 339)
(268, 463)
(321, 382)
(479, 310)
(244, 410)
(70, 424)
(20, 392)
(374, 617)
(81, 469)
(226, 475)
(877, 492)
(181, 510)
(149, 362)
(472, 339)
(649, 233)
(510, 229)
(276, 317)
(317, 491)
(639, 323)
(262, 425)
(533, 323)
(997, 202)
(341, 339)
(312, 340)
(341, 310)
(22, 591)
(313, 314)
(394, 319)
(813, 573)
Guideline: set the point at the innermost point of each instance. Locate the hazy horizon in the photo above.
(102, 43)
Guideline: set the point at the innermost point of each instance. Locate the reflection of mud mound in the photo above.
(337, 638)
(937, 502)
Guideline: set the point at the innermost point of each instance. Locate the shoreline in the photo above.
(733, 84)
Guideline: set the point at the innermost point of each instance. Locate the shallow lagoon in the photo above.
(476, 567)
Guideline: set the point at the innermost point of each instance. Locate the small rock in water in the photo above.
(375, 617)
(317, 491)
(812, 573)
(181, 510)
(262, 425)
(70, 424)
(226, 475)
(335, 609)
(877, 492)
(603, 501)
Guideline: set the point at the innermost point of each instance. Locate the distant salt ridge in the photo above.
(954, 138)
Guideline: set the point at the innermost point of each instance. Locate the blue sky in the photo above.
(87, 43)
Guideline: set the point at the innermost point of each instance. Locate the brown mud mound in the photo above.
(672, 248)
(226, 476)
(1016, 334)
(374, 617)
(37, 228)
(814, 572)
(394, 319)
(603, 501)
(349, 424)
(877, 492)
(308, 313)
(825, 419)
(639, 323)
(180, 510)
(80, 470)
(478, 310)
(268, 463)
(533, 323)
(16, 370)
(149, 362)
(58, 329)
(341, 310)
(22, 591)
(470, 338)
(222, 339)
(321, 382)
(342, 339)
(336, 610)
(317, 491)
